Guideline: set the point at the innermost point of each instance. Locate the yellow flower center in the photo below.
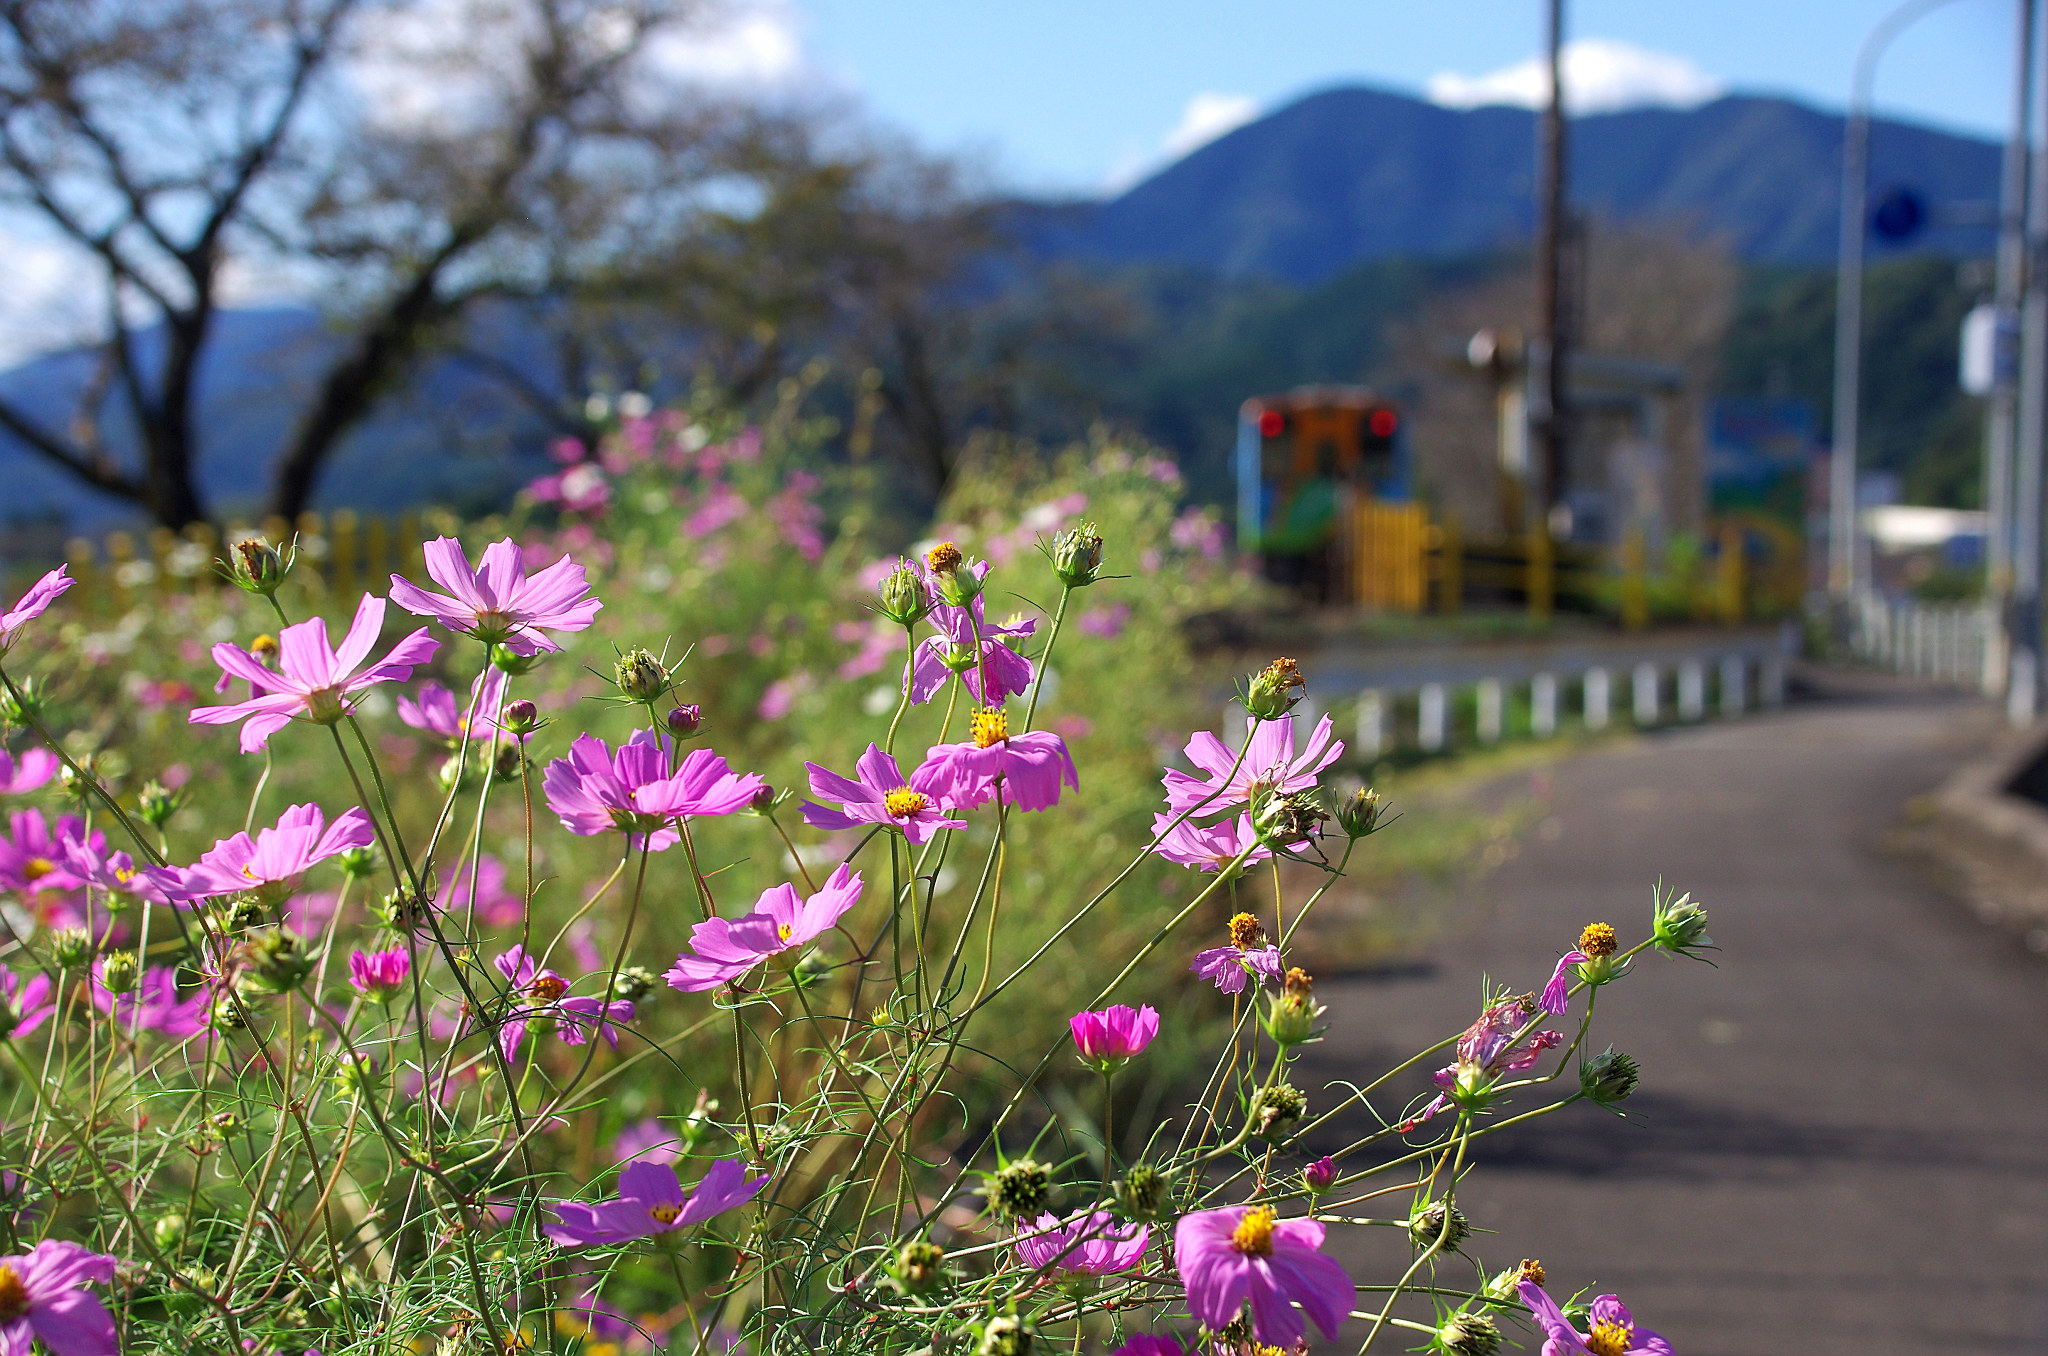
(990, 726)
(1608, 1339)
(1245, 931)
(38, 867)
(904, 802)
(1531, 1271)
(547, 988)
(1253, 1235)
(1598, 940)
(263, 646)
(782, 931)
(13, 1294)
(943, 557)
(664, 1212)
(123, 874)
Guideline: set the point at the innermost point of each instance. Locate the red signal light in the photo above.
(1271, 423)
(1383, 423)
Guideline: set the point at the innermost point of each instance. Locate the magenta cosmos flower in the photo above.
(34, 859)
(1028, 767)
(1270, 761)
(496, 602)
(1085, 1245)
(1243, 1253)
(954, 650)
(379, 974)
(33, 604)
(779, 921)
(594, 790)
(313, 681)
(548, 1001)
(43, 1296)
(1186, 843)
(652, 1201)
(1115, 1034)
(24, 1004)
(1150, 1344)
(30, 772)
(1614, 1330)
(882, 796)
(438, 713)
(271, 863)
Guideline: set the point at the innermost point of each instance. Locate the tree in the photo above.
(403, 161)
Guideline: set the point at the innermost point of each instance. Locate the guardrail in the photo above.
(1941, 642)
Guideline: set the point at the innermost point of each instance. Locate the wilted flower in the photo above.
(1270, 693)
(1240, 1253)
(1286, 819)
(722, 950)
(1274, 1108)
(973, 647)
(1114, 1035)
(952, 577)
(1086, 1245)
(1594, 957)
(547, 1000)
(312, 681)
(496, 602)
(1029, 768)
(33, 604)
(1487, 1049)
(1248, 956)
(652, 1201)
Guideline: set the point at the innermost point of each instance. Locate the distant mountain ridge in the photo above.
(1354, 174)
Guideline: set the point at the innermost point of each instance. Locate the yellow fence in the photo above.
(341, 552)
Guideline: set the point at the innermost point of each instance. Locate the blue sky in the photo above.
(1060, 95)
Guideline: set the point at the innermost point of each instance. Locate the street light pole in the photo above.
(2022, 241)
(1849, 299)
(1549, 391)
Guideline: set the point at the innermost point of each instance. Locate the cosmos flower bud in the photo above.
(119, 971)
(156, 803)
(1077, 555)
(72, 947)
(276, 961)
(1141, 1191)
(1270, 693)
(1598, 943)
(1358, 814)
(1608, 1077)
(1291, 1018)
(1019, 1190)
(505, 661)
(1468, 1335)
(1679, 926)
(255, 566)
(633, 983)
(357, 863)
(685, 721)
(917, 1267)
(640, 676)
(764, 800)
(26, 703)
(902, 596)
(957, 584)
(453, 774)
(355, 1075)
(167, 1231)
(1438, 1220)
(520, 717)
(1319, 1175)
(1275, 1108)
(227, 1013)
(1282, 819)
(1005, 1335)
(698, 1126)
(78, 776)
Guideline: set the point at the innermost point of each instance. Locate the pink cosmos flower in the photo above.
(271, 862)
(882, 796)
(33, 859)
(496, 905)
(1113, 1035)
(1614, 1328)
(113, 872)
(31, 772)
(1488, 1049)
(496, 602)
(1242, 1252)
(652, 1201)
(1148, 1344)
(379, 974)
(33, 604)
(1187, 843)
(722, 951)
(437, 712)
(1105, 623)
(1029, 767)
(1230, 968)
(153, 1004)
(47, 1298)
(549, 1001)
(594, 790)
(1319, 1175)
(1269, 761)
(647, 1140)
(24, 1004)
(1085, 1245)
(954, 650)
(312, 681)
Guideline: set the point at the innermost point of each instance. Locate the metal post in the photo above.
(1547, 386)
(2021, 268)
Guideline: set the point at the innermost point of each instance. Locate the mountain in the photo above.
(1355, 174)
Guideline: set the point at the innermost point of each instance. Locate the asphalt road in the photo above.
(1841, 1140)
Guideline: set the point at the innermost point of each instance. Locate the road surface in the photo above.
(1841, 1141)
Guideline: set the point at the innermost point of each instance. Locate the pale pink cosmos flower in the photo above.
(722, 950)
(1211, 848)
(1088, 1244)
(33, 604)
(437, 712)
(496, 602)
(312, 681)
(271, 863)
(1269, 761)
(647, 1141)
(31, 772)
(594, 790)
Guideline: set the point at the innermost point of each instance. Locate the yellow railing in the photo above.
(340, 553)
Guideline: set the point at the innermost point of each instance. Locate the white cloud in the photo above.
(48, 296)
(1600, 76)
(1206, 117)
(760, 46)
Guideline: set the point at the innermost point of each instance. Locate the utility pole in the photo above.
(1549, 393)
(2018, 416)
